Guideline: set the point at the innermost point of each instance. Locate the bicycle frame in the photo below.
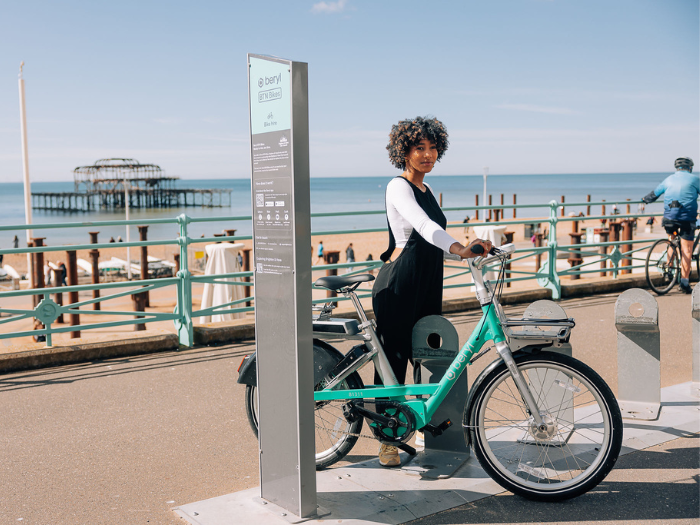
(489, 328)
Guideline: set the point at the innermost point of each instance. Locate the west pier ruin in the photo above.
(101, 186)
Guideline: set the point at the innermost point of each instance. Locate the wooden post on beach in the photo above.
(58, 281)
(72, 269)
(628, 208)
(575, 253)
(627, 236)
(538, 244)
(588, 208)
(95, 258)
(490, 203)
(38, 268)
(604, 235)
(143, 236)
(441, 199)
(331, 258)
(476, 203)
(246, 268)
(515, 201)
(230, 233)
(562, 205)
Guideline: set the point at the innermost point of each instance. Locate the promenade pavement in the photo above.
(126, 440)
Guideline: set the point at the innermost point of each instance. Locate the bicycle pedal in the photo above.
(436, 431)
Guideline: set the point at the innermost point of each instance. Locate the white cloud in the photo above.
(329, 7)
(538, 109)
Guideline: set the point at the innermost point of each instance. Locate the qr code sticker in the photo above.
(259, 200)
(260, 268)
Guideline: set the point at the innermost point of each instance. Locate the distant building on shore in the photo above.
(102, 186)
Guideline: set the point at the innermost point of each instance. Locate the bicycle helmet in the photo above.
(684, 163)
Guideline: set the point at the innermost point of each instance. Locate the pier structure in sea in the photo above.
(102, 186)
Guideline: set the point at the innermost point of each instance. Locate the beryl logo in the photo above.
(260, 82)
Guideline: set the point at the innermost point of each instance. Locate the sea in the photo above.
(332, 195)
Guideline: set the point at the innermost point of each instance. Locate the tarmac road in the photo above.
(125, 440)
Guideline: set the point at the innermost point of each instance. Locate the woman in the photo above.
(410, 287)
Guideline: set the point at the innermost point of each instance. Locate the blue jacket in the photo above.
(680, 191)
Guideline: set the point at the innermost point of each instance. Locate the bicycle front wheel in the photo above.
(662, 266)
(574, 449)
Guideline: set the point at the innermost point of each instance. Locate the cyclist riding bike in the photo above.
(680, 191)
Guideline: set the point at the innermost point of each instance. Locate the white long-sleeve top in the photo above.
(406, 215)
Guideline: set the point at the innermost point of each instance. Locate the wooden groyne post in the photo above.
(95, 259)
(72, 267)
(143, 236)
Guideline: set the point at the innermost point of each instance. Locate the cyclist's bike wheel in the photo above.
(334, 434)
(662, 272)
(575, 448)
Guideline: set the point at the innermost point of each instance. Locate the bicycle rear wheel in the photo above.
(662, 272)
(574, 450)
(334, 434)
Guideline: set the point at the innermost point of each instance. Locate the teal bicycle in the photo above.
(542, 424)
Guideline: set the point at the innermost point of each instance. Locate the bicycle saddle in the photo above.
(338, 282)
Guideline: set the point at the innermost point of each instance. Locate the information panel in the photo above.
(282, 266)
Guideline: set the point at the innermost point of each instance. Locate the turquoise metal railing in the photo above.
(47, 310)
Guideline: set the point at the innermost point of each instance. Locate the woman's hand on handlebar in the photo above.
(477, 248)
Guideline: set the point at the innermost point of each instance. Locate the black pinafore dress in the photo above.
(408, 288)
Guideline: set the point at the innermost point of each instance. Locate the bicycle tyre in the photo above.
(662, 277)
(518, 459)
(333, 448)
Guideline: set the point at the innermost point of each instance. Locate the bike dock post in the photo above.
(555, 397)
(695, 312)
(638, 355)
(435, 345)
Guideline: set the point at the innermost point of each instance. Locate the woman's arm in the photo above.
(399, 195)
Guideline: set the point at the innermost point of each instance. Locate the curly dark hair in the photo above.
(408, 133)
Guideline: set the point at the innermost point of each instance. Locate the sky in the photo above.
(523, 86)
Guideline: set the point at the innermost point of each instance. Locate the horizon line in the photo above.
(382, 176)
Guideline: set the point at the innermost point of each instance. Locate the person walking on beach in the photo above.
(349, 256)
(62, 267)
(680, 191)
(409, 287)
(319, 253)
(15, 242)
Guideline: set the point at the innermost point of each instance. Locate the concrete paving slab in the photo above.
(366, 493)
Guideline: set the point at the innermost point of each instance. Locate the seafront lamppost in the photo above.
(25, 166)
(486, 174)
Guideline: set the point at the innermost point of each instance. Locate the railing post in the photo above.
(695, 312)
(72, 269)
(95, 256)
(638, 355)
(184, 325)
(551, 281)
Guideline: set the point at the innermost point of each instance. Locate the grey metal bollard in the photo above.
(435, 345)
(638, 355)
(695, 385)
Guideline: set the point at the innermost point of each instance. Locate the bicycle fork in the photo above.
(520, 382)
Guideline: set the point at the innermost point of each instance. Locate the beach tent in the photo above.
(221, 260)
